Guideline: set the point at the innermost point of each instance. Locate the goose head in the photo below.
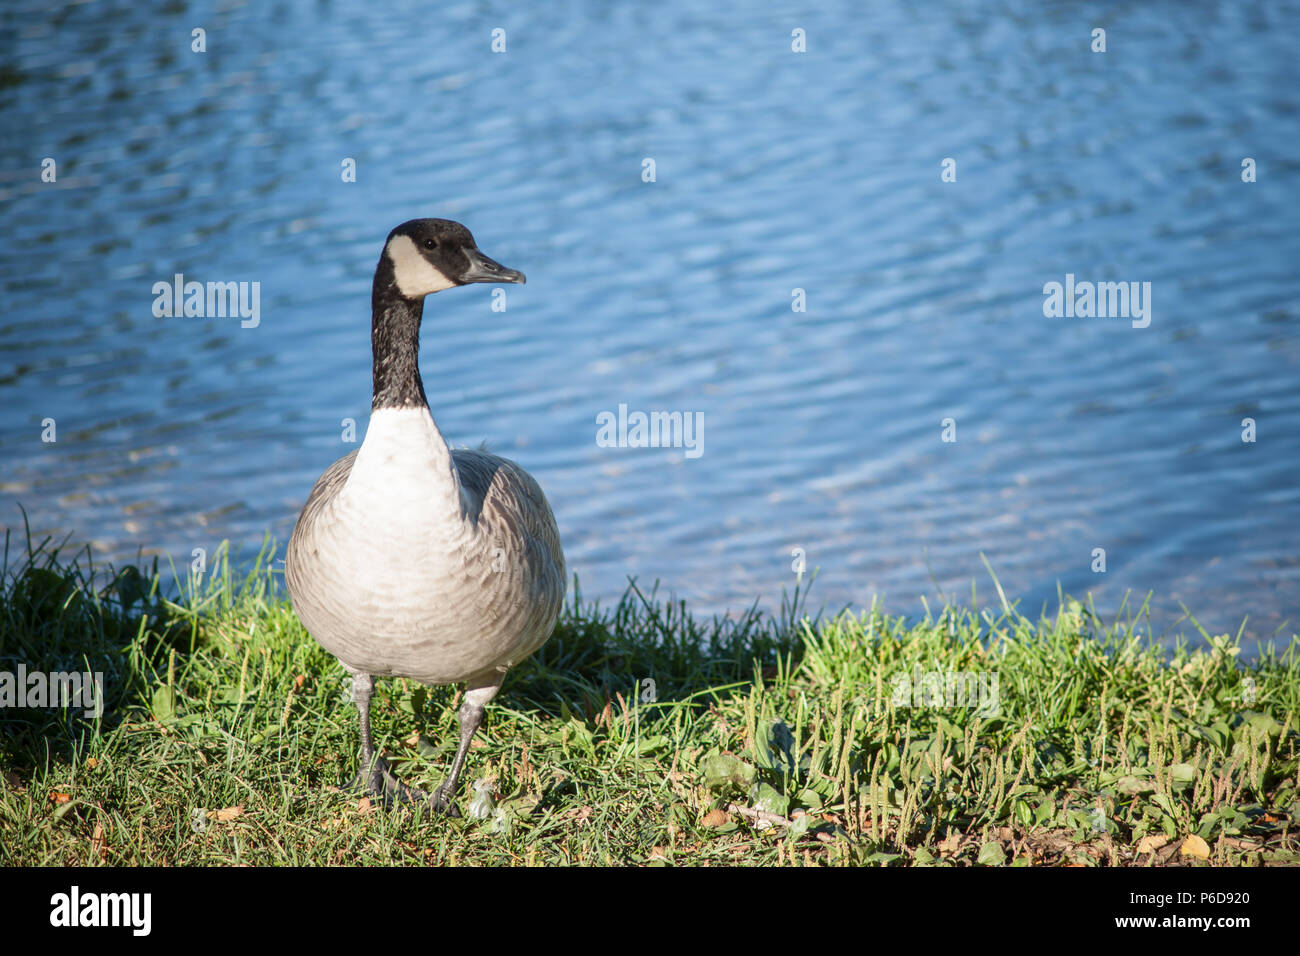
(420, 257)
(429, 255)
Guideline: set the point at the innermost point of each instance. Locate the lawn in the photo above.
(642, 735)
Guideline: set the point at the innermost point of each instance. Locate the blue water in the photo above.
(774, 171)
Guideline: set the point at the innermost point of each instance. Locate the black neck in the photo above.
(395, 343)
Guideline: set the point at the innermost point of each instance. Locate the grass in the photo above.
(770, 740)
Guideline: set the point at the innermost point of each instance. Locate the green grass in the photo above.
(771, 740)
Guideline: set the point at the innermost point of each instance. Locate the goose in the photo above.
(411, 559)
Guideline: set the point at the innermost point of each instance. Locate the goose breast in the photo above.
(394, 587)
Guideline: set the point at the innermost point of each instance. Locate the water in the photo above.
(774, 171)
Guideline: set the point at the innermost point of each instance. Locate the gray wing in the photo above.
(327, 486)
(505, 501)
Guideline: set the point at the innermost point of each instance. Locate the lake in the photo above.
(823, 236)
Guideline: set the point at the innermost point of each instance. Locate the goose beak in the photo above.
(483, 269)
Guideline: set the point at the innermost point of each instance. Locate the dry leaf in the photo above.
(298, 682)
(12, 780)
(658, 853)
(92, 762)
(715, 818)
(950, 844)
(1151, 842)
(225, 815)
(1241, 844)
(364, 805)
(1195, 846)
(57, 797)
(761, 818)
(98, 844)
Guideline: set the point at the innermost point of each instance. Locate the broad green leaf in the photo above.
(727, 770)
(163, 704)
(992, 854)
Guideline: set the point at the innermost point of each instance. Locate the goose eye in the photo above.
(431, 243)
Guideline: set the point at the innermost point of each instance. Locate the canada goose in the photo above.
(411, 559)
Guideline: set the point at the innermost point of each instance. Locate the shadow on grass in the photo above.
(648, 649)
(56, 618)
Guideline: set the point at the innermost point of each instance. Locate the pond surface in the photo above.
(774, 171)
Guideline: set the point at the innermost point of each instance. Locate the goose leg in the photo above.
(374, 777)
(479, 692)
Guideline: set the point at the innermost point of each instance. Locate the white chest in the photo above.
(400, 509)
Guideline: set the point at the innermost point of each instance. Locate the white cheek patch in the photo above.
(416, 276)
